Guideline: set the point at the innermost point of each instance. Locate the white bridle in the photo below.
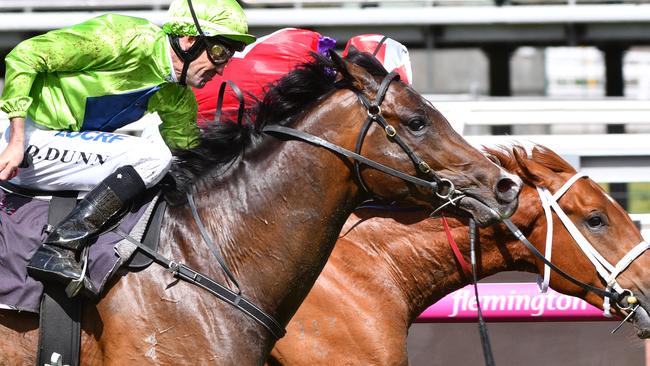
(606, 271)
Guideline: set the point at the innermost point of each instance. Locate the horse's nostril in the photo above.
(506, 184)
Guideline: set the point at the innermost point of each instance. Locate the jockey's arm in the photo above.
(77, 48)
(56, 51)
(178, 112)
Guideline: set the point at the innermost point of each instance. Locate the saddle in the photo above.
(60, 315)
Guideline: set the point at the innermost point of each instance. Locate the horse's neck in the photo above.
(497, 251)
(422, 269)
(395, 259)
(275, 222)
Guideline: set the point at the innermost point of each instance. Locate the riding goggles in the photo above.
(220, 51)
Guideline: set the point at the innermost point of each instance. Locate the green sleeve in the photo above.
(177, 108)
(89, 45)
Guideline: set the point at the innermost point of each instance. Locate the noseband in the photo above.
(442, 187)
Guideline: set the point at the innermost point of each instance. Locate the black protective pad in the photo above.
(60, 316)
(60, 327)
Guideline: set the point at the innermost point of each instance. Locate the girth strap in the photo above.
(189, 275)
(60, 316)
(213, 248)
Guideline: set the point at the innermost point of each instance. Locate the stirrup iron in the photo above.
(75, 286)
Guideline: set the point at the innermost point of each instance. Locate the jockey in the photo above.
(260, 64)
(66, 91)
(275, 55)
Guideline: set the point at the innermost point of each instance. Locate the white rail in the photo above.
(29, 5)
(380, 16)
(517, 112)
(522, 112)
(597, 145)
(605, 157)
(458, 15)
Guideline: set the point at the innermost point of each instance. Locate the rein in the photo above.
(605, 270)
(235, 298)
(442, 187)
(471, 275)
(521, 237)
(467, 271)
(482, 327)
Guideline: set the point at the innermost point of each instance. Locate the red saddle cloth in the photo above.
(260, 64)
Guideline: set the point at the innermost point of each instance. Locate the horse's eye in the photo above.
(416, 124)
(595, 221)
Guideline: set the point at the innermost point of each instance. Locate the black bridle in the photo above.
(442, 187)
(374, 115)
(235, 297)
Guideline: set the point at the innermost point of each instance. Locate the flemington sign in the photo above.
(510, 302)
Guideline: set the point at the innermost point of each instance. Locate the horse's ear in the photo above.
(339, 64)
(355, 74)
(533, 172)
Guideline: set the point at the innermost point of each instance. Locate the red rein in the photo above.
(467, 271)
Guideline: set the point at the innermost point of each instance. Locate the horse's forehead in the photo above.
(406, 92)
(405, 97)
(591, 194)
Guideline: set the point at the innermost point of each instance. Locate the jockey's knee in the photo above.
(152, 164)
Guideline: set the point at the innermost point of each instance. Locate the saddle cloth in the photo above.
(22, 220)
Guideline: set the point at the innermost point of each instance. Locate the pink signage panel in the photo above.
(510, 302)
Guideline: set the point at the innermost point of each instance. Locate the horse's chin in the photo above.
(482, 214)
(641, 322)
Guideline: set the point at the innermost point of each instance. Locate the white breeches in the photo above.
(64, 160)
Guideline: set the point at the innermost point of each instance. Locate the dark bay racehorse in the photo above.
(386, 270)
(275, 214)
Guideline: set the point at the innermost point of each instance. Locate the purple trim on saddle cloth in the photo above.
(21, 222)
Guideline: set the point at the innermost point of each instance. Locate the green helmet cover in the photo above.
(216, 17)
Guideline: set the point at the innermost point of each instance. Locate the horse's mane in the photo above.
(512, 158)
(223, 143)
(367, 61)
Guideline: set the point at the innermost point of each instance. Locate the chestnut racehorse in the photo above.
(386, 270)
(274, 207)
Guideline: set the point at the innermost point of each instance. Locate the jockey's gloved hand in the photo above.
(174, 192)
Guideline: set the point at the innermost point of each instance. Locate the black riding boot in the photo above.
(56, 259)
